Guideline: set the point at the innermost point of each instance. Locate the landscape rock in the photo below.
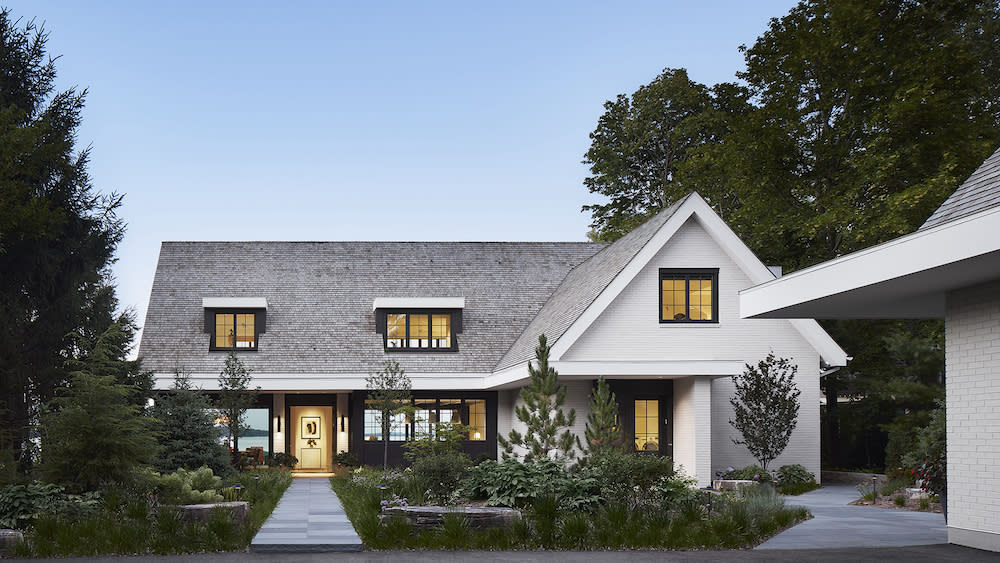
(203, 512)
(7, 540)
(424, 517)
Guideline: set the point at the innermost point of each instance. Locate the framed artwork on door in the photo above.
(310, 427)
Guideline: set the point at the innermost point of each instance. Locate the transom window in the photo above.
(234, 331)
(418, 331)
(689, 296)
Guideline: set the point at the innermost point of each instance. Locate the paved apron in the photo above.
(308, 518)
(837, 524)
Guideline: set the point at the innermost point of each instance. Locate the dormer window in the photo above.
(419, 323)
(234, 323)
(418, 330)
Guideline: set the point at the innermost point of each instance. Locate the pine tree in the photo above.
(542, 414)
(603, 434)
(187, 433)
(766, 406)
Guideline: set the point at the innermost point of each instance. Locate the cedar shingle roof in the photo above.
(981, 191)
(320, 295)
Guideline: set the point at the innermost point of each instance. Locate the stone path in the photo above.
(308, 518)
(837, 524)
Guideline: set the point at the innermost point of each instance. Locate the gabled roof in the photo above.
(595, 283)
(582, 285)
(979, 192)
(320, 296)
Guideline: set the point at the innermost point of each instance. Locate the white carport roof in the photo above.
(907, 277)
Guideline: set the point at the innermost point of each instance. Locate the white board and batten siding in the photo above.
(629, 330)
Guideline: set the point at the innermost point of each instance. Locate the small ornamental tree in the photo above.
(603, 434)
(389, 395)
(235, 398)
(766, 406)
(542, 414)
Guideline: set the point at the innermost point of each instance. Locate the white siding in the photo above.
(629, 329)
(972, 332)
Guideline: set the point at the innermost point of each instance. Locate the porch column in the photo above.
(693, 428)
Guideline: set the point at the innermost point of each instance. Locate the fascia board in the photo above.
(418, 303)
(318, 382)
(234, 303)
(672, 368)
(922, 250)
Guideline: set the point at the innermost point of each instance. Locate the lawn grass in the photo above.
(128, 525)
(728, 521)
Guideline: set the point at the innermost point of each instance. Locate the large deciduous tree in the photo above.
(57, 235)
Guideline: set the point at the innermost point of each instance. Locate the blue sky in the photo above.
(363, 120)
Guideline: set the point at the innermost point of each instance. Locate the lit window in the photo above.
(235, 330)
(418, 331)
(688, 296)
(647, 425)
(477, 419)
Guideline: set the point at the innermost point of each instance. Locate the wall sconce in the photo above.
(277, 423)
(341, 423)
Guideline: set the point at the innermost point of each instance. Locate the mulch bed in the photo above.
(889, 502)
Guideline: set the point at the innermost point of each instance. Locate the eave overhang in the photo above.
(907, 277)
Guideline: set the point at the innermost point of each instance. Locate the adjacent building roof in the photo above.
(320, 295)
(981, 191)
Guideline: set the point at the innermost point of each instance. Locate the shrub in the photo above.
(797, 488)
(347, 459)
(512, 483)
(441, 474)
(20, 505)
(189, 487)
(281, 459)
(750, 473)
(900, 500)
(794, 474)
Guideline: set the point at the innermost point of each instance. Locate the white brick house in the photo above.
(656, 313)
(949, 268)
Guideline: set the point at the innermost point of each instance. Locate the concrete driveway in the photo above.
(837, 524)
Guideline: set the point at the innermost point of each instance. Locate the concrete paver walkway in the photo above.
(308, 518)
(837, 524)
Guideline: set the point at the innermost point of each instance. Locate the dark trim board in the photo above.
(372, 452)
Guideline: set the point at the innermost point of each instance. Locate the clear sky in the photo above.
(411, 120)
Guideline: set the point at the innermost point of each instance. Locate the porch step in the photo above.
(308, 519)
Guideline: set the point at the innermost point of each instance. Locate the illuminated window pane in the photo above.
(224, 330)
(451, 410)
(395, 331)
(441, 327)
(419, 331)
(244, 330)
(647, 425)
(477, 419)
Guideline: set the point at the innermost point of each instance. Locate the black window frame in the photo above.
(454, 323)
(410, 424)
(688, 274)
(210, 326)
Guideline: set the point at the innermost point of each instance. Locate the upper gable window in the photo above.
(235, 330)
(689, 296)
(419, 331)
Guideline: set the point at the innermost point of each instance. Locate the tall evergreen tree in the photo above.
(95, 431)
(57, 235)
(542, 414)
(188, 436)
(603, 433)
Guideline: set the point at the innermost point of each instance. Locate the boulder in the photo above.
(203, 512)
(423, 517)
(732, 484)
(7, 540)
